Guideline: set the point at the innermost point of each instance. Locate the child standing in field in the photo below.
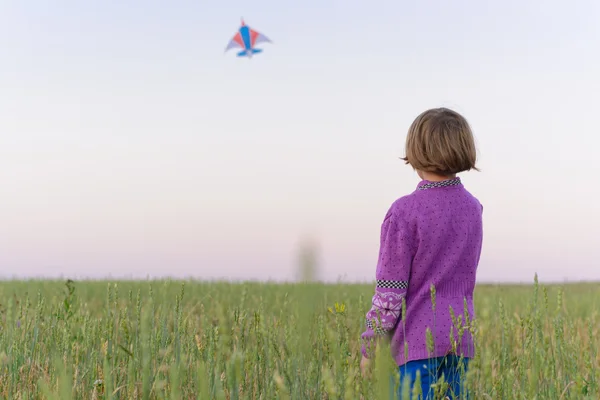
(430, 248)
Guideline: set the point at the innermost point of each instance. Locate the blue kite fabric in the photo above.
(246, 39)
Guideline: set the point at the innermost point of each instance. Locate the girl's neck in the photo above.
(433, 177)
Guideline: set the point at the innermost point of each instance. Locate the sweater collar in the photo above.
(424, 184)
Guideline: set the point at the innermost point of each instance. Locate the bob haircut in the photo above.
(440, 141)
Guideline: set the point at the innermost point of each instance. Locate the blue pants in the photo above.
(453, 369)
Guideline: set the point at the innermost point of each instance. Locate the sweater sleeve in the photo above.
(392, 276)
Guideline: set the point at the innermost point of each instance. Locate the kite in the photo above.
(246, 39)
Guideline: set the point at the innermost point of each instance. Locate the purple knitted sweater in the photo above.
(432, 236)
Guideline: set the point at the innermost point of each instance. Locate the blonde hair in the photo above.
(441, 141)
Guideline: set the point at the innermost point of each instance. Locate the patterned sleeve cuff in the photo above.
(377, 329)
(387, 284)
(382, 318)
(386, 308)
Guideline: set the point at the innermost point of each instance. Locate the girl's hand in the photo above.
(365, 366)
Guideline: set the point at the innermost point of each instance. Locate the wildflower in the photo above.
(339, 308)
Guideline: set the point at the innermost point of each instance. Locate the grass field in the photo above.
(174, 340)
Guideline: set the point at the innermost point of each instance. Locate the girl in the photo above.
(430, 248)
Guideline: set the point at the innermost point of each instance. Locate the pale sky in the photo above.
(132, 145)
